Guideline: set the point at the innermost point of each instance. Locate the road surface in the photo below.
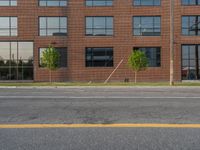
(101, 106)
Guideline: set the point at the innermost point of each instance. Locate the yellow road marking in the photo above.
(26, 126)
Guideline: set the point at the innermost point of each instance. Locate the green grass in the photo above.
(99, 84)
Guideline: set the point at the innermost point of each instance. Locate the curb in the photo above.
(104, 87)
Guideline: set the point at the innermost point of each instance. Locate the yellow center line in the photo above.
(32, 126)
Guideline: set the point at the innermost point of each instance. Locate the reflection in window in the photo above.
(52, 2)
(99, 26)
(99, 57)
(146, 26)
(16, 60)
(63, 56)
(8, 26)
(190, 2)
(53, 26)
(153, 55)
(191, 25)
(190, 62)
(146, 2)
(99, 2)
(8, 2)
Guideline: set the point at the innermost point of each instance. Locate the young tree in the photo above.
(50, 59)
(138, 62)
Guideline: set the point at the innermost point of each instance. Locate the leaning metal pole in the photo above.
(171, 42)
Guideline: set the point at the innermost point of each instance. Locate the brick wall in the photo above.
(122, 41)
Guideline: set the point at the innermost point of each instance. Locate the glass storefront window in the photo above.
(16, 60)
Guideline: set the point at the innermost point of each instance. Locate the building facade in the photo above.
(93, 36)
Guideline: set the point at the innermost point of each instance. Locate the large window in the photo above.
(53, 3)
(146, 2)
(8, 2)
(99, 26)
(63, 56)
(146, 26)
(153, 55)
(190, 2)
(99, 57)
(191, 25)
(8, 26)
(16, 60)
(190, 62)
(99, 2)
(53, 26)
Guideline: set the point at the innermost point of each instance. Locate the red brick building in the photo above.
(93, 36)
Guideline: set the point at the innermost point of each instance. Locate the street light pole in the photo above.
(171, 42)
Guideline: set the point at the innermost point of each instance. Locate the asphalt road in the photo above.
(100, 105)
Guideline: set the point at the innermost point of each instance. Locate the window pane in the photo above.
(25, 50)
(43, 22)
(4, 32)
(53, 22)
(4, 50)
(43, 3)
(4, 22)
(153, 54)
(13, 66)
(13, 22)
(99, 57)
(99, 22)
(52, 32)
(53, 2)
(8, 3)
(146, 26)
(189, 2)
(147, 22)
(63, 22)
(13, 3)
(53, 26)
(13, 50)
(99, 2)
(99, 26)
(146, 2)
(63, 56)
(89, 22)
(99, 32)
(63, 3)
(4, 3)
(190, 25)
(185, 52)
(109, 22)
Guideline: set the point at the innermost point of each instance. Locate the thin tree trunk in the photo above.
(50, 76)
(135, 76)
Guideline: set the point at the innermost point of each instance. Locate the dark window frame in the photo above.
(46, 5)
(10, 27)
(93, 5)
(63, 48)
(106, 29)
(107, 62)
(196, 24)
(154, 60)
(16, 67)
(133, 28)
(197, 3)
(147, 5)
(46, 29)
(196, 59)
(10, 3)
